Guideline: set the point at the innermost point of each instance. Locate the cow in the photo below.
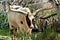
(22, 18)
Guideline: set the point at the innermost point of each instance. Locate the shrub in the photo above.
(3, 20)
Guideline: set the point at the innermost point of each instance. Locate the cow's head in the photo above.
(30, 17)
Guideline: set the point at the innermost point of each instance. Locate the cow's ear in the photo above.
(37, 11)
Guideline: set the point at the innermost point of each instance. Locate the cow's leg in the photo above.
(29, 34)
(13, 32)
(22, 34)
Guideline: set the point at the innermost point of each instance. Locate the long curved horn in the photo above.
(41, 9)
(38, 10)
(20, 9)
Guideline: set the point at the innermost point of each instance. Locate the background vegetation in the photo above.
(47, 34)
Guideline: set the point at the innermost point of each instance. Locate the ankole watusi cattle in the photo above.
(22, 18)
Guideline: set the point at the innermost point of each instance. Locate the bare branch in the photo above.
(46, 16)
